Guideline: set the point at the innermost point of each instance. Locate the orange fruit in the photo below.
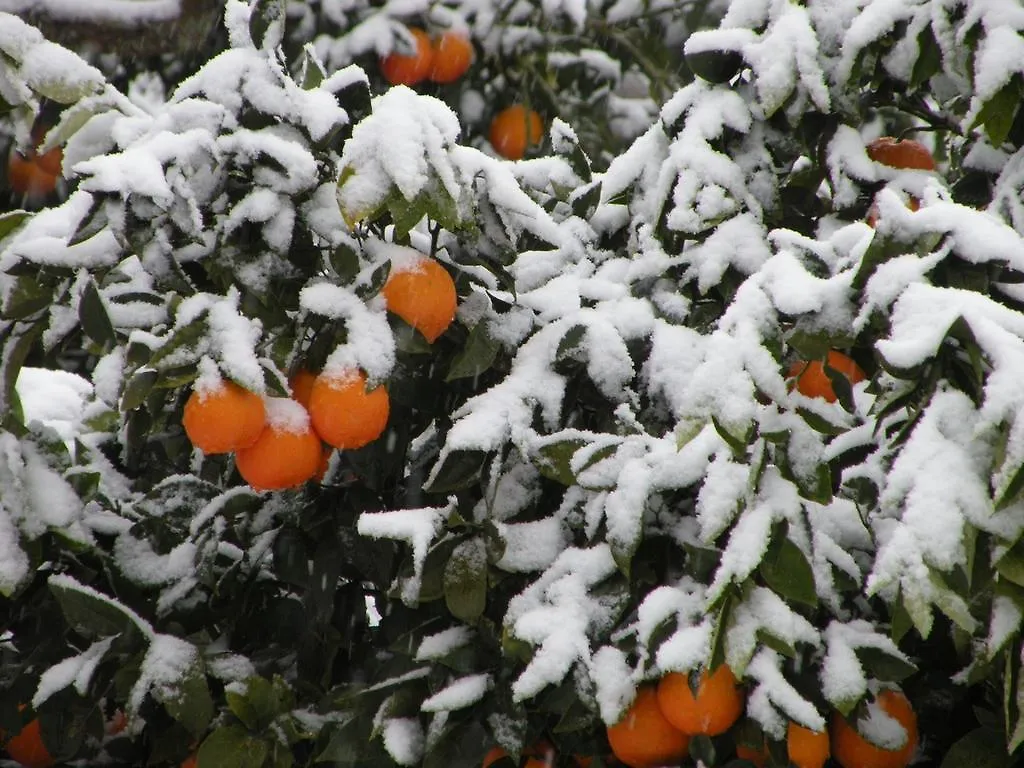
(644, 738)
(402, 69)
(225, 419)
(28, 749)
(812, 381)
(872, 218)
(755, 755)
(344, 413)
(541, 755)
(851, 750)
(286, 454)
(117, 723)
(901, 154)
(453, 55)
(513, 130)
(301, 384)
(190, 762)
(806, 748)
(422, 293)
(717, 705)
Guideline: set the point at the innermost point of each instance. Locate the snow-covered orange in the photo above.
(223, 418)
(287, 453)
(344, 413)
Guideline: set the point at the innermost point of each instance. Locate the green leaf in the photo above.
(95, 319)
(345, 262)
(188, 700)
(11, 221)
(266, 24)
(459, 469)
(378, 277)
(465, 580)
(258, 706)
(137, 389)
(998, 112)
(1011, 565)
(980, 748)
(29, 295)
(929, 58)
(477, 356)
(714, 66)
(786, 570)
(884, 666)
(89, 615)
(553, 460)
(187, 335)
(291, 557)
(232, 746)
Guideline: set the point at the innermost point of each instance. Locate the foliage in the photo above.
(598, 474)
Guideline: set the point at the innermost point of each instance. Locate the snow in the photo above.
(286, 415)
(415, 527)
(120, 11)
(458, 694)
(75, 671)
(439, 645)
(404, 740)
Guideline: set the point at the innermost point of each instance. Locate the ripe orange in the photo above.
(541, 755)
(901, 154)
(644, 738)
(224, 419)
(453, 55)
(513, 130)
(872, 218)
(302, 385)
(422, 293)
(402, 69)
(806, 748)
(755, 755)
(28, 749)
(812, 381)
(287, 453)
(190, 762)
(718, 704)
(851, 750)
(344, 413)
(117, 723)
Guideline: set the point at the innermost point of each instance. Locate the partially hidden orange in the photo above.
(644, 738)
(717, 705)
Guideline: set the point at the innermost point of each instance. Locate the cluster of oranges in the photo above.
(444, 59)
(657, 728)
(441, 59)
(279, 443)
(34, 175)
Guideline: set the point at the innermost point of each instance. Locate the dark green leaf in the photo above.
(137, 389)
(465, 580)
(715, 66)
(29, 295)
(89, 615)
(345, 262)
(553, 460)
(459, 469)
(476, 356)
(95, 319)
(996, 116)
(370, 289)
(785, 569)
(291, 557)
(980, 748)
(1011, 565)
(266, 22)
(929, 58)
(231, 746)
(11, 221)
(188, 700)
(884, 666)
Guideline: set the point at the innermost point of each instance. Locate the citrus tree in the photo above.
(337, 432)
